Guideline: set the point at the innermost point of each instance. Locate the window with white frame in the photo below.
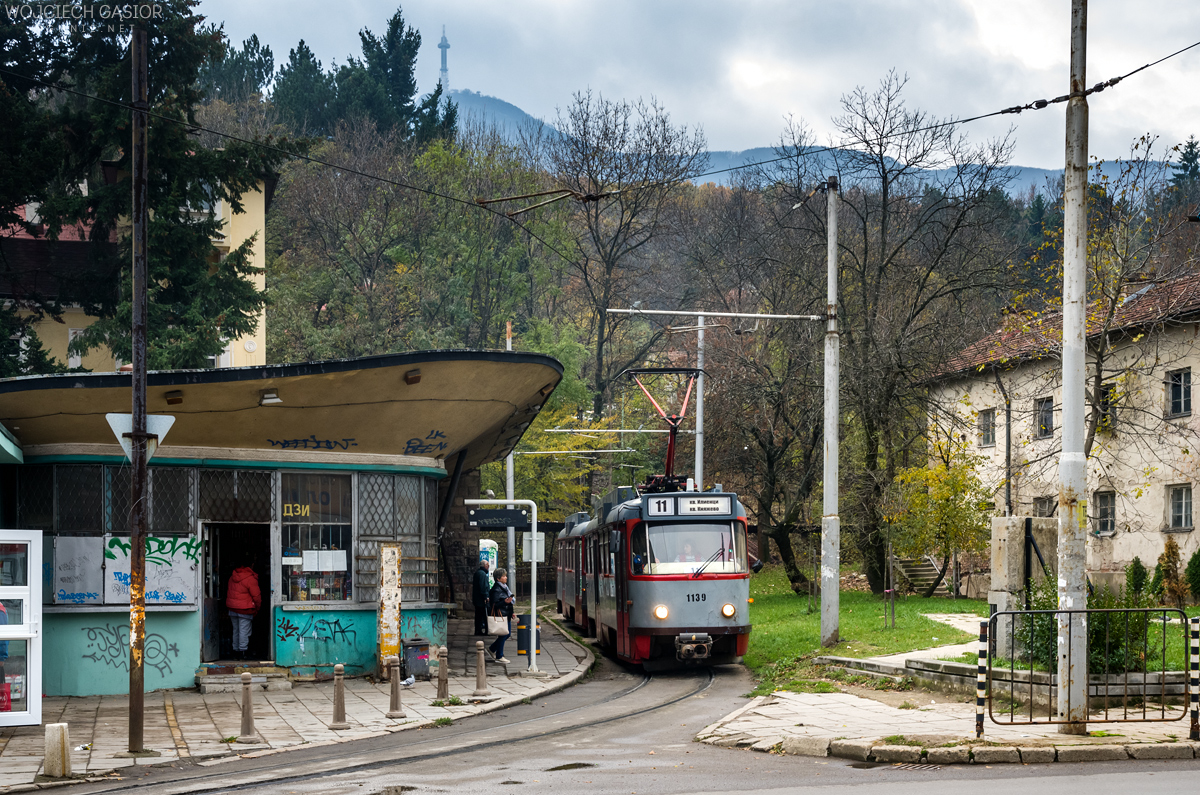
(73, 359)
(1105, 522)
(987, 428)
(1045, 506)
(1180, 500)
(1043, 417)
(1179, 392)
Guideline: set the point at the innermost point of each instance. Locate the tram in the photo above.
(660, 574)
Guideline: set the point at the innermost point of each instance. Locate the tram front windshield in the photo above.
(714, 548)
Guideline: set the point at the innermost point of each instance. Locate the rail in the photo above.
(1142, 665)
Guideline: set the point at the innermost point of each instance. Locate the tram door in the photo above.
(622, 577)
(20, 627)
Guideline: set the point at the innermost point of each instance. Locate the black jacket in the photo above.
(499, 593)
(479, 588)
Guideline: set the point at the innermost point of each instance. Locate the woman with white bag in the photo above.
(499, 615)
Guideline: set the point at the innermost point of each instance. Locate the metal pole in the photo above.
(700, 404)
(137, 517)
(981, 679)
(508, 491)
(830, 525)
(533, 616)
(1072, 466)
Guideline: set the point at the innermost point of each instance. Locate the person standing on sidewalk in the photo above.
(502, 605)
(243, 598)
(479, 597)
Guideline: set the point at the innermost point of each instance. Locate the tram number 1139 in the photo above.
(697, 597)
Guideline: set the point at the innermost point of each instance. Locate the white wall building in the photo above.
(1143, 465)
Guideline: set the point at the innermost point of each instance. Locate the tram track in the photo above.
(452, 745)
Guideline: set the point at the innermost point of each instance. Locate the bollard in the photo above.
(248, 733)
(481, 688)
(57, 763)
(393, 668)
(339, 698)
(443, 690)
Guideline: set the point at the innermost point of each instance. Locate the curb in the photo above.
(867, 750)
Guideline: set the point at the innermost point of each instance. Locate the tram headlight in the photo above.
(660, 612)
(728, 610)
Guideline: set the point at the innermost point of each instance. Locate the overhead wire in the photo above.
(560, 194)
(292, 154)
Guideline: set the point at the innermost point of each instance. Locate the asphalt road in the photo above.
(619, 732)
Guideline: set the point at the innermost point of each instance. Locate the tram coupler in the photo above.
(693, 646)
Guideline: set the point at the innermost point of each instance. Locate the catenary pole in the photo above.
(137, 518)
(508, 485)
(830, 523)
(1072, 465)
(700, 404)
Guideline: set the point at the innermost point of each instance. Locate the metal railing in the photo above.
(1142, 665)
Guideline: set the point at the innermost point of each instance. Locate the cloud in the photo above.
(738, 68)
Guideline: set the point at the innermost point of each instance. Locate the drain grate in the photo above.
(915, 766)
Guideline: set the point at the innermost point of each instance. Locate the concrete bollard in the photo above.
(58, 751)
(248, 733)
(481, 688)
(393, 668)
(443, 690)
(339, 698)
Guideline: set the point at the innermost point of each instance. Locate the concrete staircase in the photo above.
(920, 573)
(227, 677)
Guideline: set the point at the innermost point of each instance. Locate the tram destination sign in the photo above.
(688, 505)
(499, 517)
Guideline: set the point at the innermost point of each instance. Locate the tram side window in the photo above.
(641, 554)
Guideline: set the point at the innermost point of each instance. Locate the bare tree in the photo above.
(921, 248)
(625, 163)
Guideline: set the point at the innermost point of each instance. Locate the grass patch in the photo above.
(437, 702)
(455, 701)
(786, 637)
(907, 705)
(232, 739)
(900, 739)
(784, 630)
(443, 722)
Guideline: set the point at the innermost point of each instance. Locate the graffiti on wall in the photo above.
(317, 629)
(109, 645)
(313, 443)
(430, 444)
(430, 625)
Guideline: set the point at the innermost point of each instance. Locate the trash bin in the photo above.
(416, 657)
(523, 635)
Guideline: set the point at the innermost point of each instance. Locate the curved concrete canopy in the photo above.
(424, 404)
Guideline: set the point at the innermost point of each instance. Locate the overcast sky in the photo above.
(738, 68)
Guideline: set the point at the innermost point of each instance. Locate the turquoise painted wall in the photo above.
(305, 638)
(309, 639)
(88, 653)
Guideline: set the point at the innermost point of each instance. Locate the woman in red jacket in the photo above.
(242, 599)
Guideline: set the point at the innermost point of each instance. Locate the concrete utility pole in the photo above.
(831, 542)
(508, 475)
(137, 516)
(699, 477)
(1072, 465)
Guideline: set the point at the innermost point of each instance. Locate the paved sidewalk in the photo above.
(185, 725)
(966, 622)
(812, 723)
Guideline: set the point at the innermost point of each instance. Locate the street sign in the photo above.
(499, 517)
(533, 547)
(156, 424)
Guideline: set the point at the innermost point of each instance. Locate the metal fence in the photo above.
(1142, 665)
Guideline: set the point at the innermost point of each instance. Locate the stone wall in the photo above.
(460, 543)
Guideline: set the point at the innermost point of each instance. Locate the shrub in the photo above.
(1192, 574)
(1156, 582)
(1136, 575)
(1174, 588)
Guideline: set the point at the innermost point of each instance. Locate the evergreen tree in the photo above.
(198, 299)
(304, 94)
(240, 73)
(391, 62)
(1187, 170)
